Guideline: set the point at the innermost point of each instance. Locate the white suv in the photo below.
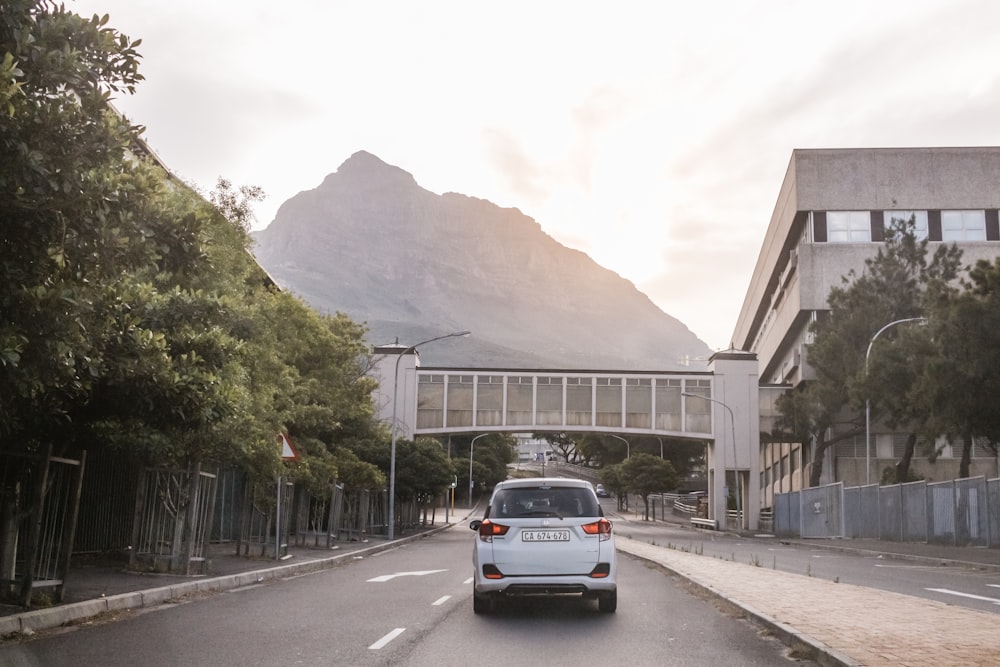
(544, 536)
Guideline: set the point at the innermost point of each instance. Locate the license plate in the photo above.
(545, 536)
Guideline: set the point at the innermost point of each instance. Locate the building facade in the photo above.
(832, 211)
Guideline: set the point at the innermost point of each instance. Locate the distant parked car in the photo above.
(601, 491)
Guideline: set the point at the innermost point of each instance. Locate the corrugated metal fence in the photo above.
(963, 512)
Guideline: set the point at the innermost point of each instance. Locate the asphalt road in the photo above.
(412, 605)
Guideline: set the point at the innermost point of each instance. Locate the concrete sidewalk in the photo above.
(831, 623)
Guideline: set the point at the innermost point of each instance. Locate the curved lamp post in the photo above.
(628, 449)
(868, 406)
(732, 424)
(392, 451)
(470, 465)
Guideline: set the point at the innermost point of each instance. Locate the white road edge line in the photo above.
(441, 600)
(964, 595)
(386, 639)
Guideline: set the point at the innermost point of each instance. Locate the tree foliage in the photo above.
(899, 285)
(644, 474)
(955, 390)
(423, 470)
(490, 456)
(131, 313)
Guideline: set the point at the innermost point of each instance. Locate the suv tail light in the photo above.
(601, 528)
(487, 529)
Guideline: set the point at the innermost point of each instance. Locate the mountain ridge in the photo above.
(411, 264)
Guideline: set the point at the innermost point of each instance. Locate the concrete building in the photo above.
(831, 214)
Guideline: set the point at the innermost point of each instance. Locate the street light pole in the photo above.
(628, 449)
(393, 428)
(868, 406)
(736, 469)
(470, 465)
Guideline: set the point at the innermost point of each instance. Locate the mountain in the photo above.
(371, 243)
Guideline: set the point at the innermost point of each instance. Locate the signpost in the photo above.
(288, 453)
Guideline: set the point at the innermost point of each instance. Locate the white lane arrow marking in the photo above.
(390, 577)
(964, 595)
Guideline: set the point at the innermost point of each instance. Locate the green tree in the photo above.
(957, 386)
(892, 286)
(563, 443)
(598, 450)
(131, 313)
(358, 475)
(644, 474)
(423, 471)
(74, 237)
(613, 478)
(490, 457)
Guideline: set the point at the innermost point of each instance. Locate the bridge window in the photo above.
(668, 405)
(579, 401)
(489, 400)
(460, 400)
(698, 412)
(609, 402)
(430, 401)
(550, 400)
(638, 403)
(520, 399)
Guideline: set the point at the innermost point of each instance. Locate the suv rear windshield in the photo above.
(561, 501)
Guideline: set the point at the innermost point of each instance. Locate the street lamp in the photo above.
(470, 465)
(732, 424)
(628, 450)
(868, 407)
(392, 451)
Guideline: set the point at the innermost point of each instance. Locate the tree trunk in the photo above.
(963, 467)
(816, 471)
(9, 513)
(903, 467)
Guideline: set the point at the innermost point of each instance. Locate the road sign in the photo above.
(288, 452)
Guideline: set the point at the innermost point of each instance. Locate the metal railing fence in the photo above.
(963, 512)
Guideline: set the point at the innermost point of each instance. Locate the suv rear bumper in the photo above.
(545, 586)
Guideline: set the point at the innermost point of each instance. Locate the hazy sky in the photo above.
(651, 135)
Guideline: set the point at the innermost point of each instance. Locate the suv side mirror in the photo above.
(475, 523)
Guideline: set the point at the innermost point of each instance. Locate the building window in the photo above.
(919, 222)
(963, 225)
(848, 227)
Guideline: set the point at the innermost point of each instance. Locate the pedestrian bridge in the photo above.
(717, 405)
(453, 400)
